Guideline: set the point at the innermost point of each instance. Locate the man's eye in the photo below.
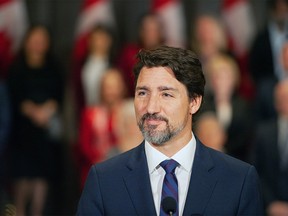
(141, 93)
(167, 95)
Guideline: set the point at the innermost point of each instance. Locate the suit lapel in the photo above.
(202, 182)
(138, 183)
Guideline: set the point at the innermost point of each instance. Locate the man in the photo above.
(265, 57)
(271, 154)
(202, 181)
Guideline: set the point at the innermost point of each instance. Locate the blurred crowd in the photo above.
(251, 125)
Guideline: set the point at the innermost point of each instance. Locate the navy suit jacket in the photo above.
(261, 59)
(267, 160)
(219, 185)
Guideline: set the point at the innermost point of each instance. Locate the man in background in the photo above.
(271, 154)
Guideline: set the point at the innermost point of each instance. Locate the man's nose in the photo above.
(153, 105)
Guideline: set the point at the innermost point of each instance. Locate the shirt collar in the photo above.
(184, 156)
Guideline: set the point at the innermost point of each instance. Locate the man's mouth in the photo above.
(151, 121)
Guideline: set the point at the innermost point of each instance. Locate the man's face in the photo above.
(163, 108)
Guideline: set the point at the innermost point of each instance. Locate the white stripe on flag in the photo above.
(100, 12)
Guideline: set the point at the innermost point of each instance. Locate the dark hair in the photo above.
(184, 63)
(21, 53)
(141, 22)
(100, 27)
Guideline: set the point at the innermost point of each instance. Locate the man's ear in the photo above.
(195, 104)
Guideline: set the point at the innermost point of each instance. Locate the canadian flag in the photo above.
(172, 15)
(238, 17)
(92, 13)
(13, 25)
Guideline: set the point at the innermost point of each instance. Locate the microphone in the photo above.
(169, 205)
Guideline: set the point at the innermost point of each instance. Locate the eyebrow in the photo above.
(160, 88)
(142, 88)
(165, 88)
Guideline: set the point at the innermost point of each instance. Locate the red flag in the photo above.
(13, 24)
(172, 15)
(93, 12)
(238, 17)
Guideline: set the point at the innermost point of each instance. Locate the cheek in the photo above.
(178, 114)
(139, 109)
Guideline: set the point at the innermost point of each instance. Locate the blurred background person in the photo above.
(150, 35)
(270, 154)
(208, 37)
(210, 131)
(35, 87)
(265, 57)
(232, 111)
(87, 77)
(97, 133)
(127, 130)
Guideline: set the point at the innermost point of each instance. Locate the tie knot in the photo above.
(169, 165)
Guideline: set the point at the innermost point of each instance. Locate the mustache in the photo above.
(148, 116)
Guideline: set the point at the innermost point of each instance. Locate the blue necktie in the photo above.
(170, 184)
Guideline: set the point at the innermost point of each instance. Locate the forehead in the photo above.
(157, 75)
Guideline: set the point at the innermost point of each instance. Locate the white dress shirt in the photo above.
(184, 157)
(91, 76)
(283, 141)
(277, 39)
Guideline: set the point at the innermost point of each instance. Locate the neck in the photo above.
(284, 116)
(99, 54)
(111, 106)
(35, 61)
(223, 98)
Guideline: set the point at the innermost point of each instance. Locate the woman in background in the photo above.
(98, 123)
(210, 131)
(88, 74)
(232, 111)
(35, 86)
(150, 35)
(127, 130)
(208, 37)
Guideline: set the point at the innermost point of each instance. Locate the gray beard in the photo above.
(155, 137)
